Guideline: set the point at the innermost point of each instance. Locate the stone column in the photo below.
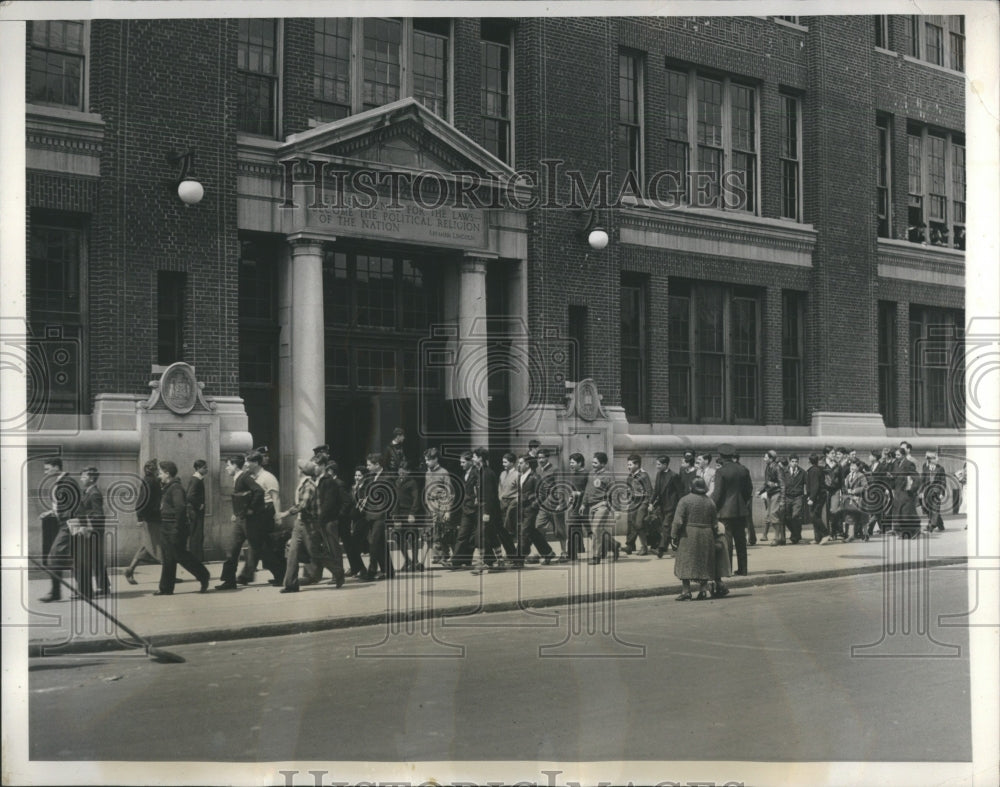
(472, 371)
(307, 378)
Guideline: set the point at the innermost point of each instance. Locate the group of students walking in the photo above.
(485, 521)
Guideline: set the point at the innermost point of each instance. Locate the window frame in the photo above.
(637, 77)
(952, 30)
(797, 302)
(48, 325)
(694, 292)
(84, 55)
(785, 160)
(177, 281)
(883, 36)
(886, 358)
(924, 231)
(694, 144)
(939, 345)
(276, 78)
(883, 168)
(487, 37)
(639, 285)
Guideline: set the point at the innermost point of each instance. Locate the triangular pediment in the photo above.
(403, 135)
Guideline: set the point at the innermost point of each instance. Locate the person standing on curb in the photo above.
(173, 513)
(642, 492)
(693, 534)
(148, 514)
(732, 496)
(667, 493)
(816, 499)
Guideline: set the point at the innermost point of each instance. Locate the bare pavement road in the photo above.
(766, 674)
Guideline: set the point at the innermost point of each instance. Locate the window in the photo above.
(257, 76)
(496, 90)
(430, 63)
(720, 116)
(939, 40)
(937, 367)
(58, 64)
(936, 185)
(258, 315)
(715, 340)
(887, 362)
(956, 43)
(790, 158)
(332, 69)
(360, 64)
(633, 347)
(882, 31)
(377, 308)
(792, 356)
(170, 287)
(883, 176)
(56, 312)
(794, 20)
(577, 351)
(628, 146)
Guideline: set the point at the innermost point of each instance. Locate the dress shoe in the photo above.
(163, 592)
(292, 589)
(594, 561)
(721, 591)
(702, 595)
(659, 552)
(242, 581)
(352, 573)
(275, 582)
(364, 576)
(643, 552)
(683, 597)
(532, 560)
(547, 560)
(227, 586)
(777, 543)
(338, 580)
(628, 550)
(418, 567)
(563, 558)
(204, 585)
(130, 577)
(50, 597)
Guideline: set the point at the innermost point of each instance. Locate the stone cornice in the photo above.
(719, 233)
(62, 129)
(923, 264)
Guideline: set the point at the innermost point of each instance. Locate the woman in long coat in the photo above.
(693, 532)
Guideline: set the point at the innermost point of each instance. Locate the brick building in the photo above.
(784, 199)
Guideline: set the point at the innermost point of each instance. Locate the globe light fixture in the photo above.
(598, 239)
(188, 189)
(596, 236)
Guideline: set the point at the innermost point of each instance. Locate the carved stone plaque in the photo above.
(179, 389)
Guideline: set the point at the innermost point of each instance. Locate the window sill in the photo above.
(934, 66)
(792, 25)
(63, 120)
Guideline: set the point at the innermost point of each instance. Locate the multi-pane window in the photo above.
(577, 351)
(719, 116)
(332, 69)
(170, 287)
(496, 90)
(939, 40)
(792, 356)
(56, 269)
(882, 31)
(715, 353)
(58, 63)
(360, 64)
(677, 138)
(937, 367)
(376, 308)
(883, 176)
(381, 61)
(628, 145)
(790, 151)
(259, 335)
(257, 76)
(936, 186)
(430, 63)
(887, 362)
(633, 347)
(956, 43)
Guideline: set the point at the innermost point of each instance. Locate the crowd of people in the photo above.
(479, 520)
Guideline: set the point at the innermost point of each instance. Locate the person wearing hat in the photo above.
(693, 534)
(321, 450)
(770, 493)
(732, 495)
(393, 455)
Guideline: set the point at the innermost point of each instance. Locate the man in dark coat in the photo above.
(88, 547)
(493, 532)
(732, 495)
(905, 481)
(668, 489)
(196, 509)
(933, 488)
(377, 493)
(64, 496)
(173, 515)
(527, 507)
(816, 499)
(466, 539)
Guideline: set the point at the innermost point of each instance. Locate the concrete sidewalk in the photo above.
(259, 609)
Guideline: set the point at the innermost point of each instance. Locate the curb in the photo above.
(279, 629)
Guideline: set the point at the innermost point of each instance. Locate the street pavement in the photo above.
(444, 596)
(790, 673)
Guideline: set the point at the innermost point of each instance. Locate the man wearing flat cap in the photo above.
(732, 495)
